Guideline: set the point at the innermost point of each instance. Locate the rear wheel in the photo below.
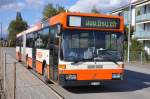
(45, 76)
(19, 57)
(27, 63)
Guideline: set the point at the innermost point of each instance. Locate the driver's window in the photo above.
(111, 41)
(79, 40)
(74, 41)
(84, 40)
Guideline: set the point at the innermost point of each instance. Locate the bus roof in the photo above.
(36, 27)
(62, 18)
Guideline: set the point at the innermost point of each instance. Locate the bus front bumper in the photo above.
(64, 82)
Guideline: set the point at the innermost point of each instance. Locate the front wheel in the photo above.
(27, 63)
(46, 80)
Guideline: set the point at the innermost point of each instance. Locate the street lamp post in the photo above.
(129, 32)
(1, 33)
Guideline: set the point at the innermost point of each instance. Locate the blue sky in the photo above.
(31, 10)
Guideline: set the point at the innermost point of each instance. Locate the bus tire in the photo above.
(27, 64)
(46, 80)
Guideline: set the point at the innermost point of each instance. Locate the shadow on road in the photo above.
(132, 81)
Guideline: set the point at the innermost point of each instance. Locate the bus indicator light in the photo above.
(62, 66)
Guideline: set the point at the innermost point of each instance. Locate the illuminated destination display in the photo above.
(94, 22)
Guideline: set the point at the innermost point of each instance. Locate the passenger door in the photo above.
(54, 46)
(34, 52)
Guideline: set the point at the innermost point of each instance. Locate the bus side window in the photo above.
(45, 37)
(29, 40)
(52, 33)
(51, 51)
(38, 40)
(42, 38)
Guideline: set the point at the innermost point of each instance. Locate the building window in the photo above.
(138, 11)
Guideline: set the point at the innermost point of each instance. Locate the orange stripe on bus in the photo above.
(93, 76)
(39, 67)
(98, 74)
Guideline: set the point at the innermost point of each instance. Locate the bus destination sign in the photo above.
(94, 22)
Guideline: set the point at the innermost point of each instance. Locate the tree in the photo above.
(49, 11)
(60, 9)
(95, 10)
(136, 45)
(126, 30)
(16, 26)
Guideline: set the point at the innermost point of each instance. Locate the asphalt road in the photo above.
(136, 85)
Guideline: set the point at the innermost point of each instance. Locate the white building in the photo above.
(124, 11)
(140, 19)
(143, 23)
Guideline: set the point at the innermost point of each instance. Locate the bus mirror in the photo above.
(58, 29)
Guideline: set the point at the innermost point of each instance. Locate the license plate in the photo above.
(95, 83)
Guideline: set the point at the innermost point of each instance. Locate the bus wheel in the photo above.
(46, 80)
(27, 64)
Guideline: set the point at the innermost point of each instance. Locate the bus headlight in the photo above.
(116, 76)
(71, 77)
(121, 65)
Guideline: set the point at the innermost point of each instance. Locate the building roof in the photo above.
(126, 6)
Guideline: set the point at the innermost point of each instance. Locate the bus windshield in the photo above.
(82, 45)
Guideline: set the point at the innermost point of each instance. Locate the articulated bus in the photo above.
(74, 49)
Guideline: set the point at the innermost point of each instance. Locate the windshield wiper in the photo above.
(80, 60)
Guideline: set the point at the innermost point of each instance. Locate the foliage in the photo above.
(15, 27)
(136, 45)
(136, 48)
(126, 31)
(49, 11)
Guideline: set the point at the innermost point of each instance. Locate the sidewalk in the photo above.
(138, 64)
(138, 67)
(28, 86)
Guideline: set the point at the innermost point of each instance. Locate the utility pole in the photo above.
(129, 32)
(1, 33)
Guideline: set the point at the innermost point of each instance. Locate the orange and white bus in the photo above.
(74, 49)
